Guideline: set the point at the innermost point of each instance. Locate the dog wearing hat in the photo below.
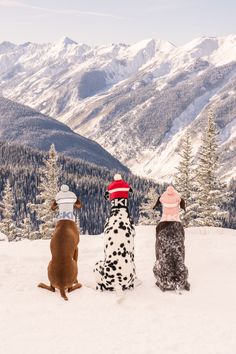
(169, 268)
(62, 269)
(117, 270)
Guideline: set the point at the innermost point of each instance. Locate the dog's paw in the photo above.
(137, 282)
(90, 286)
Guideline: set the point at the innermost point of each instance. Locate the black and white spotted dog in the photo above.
(169, 268)
(117, 270)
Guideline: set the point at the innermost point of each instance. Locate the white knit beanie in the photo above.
(117, 177)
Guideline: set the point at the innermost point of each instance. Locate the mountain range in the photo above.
(137, 101)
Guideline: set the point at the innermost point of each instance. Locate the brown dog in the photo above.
(62, 269)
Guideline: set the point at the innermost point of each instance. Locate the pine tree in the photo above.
(184, 181)
(48, 188)
(148, 216)
(211, 193)
(26, 228)
(77, 218)
(7, 224)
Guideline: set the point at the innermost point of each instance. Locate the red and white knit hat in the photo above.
(118, 188)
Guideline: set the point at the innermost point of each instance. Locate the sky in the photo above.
(98, 22)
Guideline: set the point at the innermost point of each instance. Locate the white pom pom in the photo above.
(64, 188)
(117, 177)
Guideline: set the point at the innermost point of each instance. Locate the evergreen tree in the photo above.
(7, 224)
(148, 216)
(230, 206)
(184, 181)
(26, 228)
(48, 188)
(77, 219)
(211, 193)
(21, 165)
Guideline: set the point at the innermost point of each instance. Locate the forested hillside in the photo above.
(21, 165)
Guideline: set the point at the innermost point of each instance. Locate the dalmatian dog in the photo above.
(117, 270)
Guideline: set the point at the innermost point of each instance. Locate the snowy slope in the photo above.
(151, 110)
(3, 237)
(20, 124)
(148, 321)
(53, 77)
(145, 95)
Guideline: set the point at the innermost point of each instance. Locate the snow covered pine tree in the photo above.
(184, 181)
(48, 188)
(7, 224)
(211, 192)
(147, 215)
(26, 228)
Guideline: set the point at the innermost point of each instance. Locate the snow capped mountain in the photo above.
(6, 47)
(53, 77)
(135, 100)
(23, 125)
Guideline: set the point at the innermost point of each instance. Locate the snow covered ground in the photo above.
(202, 321)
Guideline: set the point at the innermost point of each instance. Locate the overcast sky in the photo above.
(108, 21)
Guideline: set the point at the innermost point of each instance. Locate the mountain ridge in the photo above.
(145, 95)
(23, 125)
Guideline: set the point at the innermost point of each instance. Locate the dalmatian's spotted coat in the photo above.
(169, 268)
(118, 266)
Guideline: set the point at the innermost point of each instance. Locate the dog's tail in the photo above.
(63, 293)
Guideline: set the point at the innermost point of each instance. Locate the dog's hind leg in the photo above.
(187, 286)
(44, 286)
(63, 294)
(74, 287)
(75, 257)
(119, 293)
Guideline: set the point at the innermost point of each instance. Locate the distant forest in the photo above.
(21, 165)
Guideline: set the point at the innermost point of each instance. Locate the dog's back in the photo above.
(169, 269)
(62, 270)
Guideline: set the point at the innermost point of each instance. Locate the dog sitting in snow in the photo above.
(62, 269)
(117, 270)
(169, 268)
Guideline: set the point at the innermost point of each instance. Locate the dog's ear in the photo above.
(54, 205)
(78, 204)
(158, 203)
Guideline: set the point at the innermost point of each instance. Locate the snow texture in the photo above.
(148, 321)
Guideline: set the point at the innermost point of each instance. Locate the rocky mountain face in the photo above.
(137, 101)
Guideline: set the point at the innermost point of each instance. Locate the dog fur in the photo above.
(117, 270)
(62, 269)
(169, 268)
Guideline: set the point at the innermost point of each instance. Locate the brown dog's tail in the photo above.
(63, 294)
